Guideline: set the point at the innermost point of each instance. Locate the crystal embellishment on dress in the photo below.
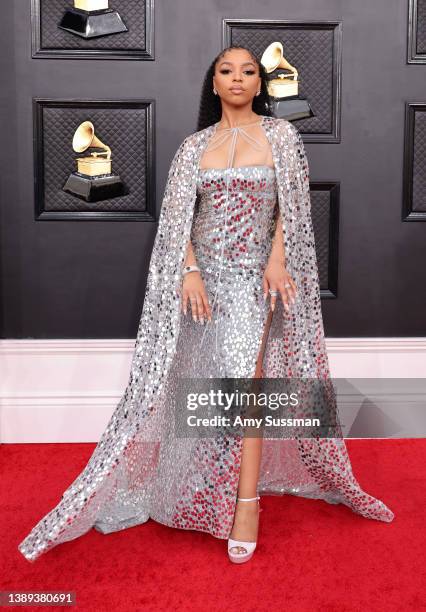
(234, 132)
(238, 256)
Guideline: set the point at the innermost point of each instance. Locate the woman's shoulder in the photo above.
(287, 127)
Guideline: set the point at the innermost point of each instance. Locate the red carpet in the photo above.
(311, 555)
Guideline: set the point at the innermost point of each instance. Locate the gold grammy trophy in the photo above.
(93, 180)
(283, 85)
(91, 19)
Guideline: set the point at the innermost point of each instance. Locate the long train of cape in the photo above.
(120, 485)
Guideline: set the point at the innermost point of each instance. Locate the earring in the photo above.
(258, 93)
(214, 91)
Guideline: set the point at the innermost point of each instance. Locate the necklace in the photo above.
(234, 132)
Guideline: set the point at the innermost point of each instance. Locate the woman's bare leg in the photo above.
(246, 517)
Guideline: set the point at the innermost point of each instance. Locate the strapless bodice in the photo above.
(241, 215)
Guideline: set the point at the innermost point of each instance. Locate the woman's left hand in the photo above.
(276, 278)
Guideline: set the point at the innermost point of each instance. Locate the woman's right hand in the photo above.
(194, 291)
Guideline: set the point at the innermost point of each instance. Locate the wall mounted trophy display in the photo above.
(92, 18)
(283, 85)
(93, 180)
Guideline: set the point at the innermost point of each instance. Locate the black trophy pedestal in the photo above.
(292, 108)
(94, 189)
(90, 24)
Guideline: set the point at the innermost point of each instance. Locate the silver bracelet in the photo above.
(190, 269)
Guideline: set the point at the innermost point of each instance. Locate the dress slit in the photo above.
(259, 371)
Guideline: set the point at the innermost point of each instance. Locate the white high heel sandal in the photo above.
(249, 547)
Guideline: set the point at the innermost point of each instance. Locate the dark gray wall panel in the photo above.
(415, 163)
(76, 279)
(315, 50)
(49, 40)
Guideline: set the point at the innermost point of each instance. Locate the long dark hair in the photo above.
(210, 110)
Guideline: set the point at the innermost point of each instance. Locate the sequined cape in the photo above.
(137, 470)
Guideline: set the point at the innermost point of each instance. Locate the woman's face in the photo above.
(236, 77)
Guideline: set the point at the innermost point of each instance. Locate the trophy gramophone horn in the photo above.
(84, 137)
(94, 180)
(283, 85)
(273, 58)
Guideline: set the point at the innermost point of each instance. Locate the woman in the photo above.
(235, 227)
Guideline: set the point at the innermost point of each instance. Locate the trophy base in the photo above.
(94, 189)
(92, 24)
(292, 108)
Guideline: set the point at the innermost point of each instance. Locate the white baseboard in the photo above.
(66, 390)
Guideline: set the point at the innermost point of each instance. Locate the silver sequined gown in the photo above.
(231, 235)
(232, 239)
(140, 469)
